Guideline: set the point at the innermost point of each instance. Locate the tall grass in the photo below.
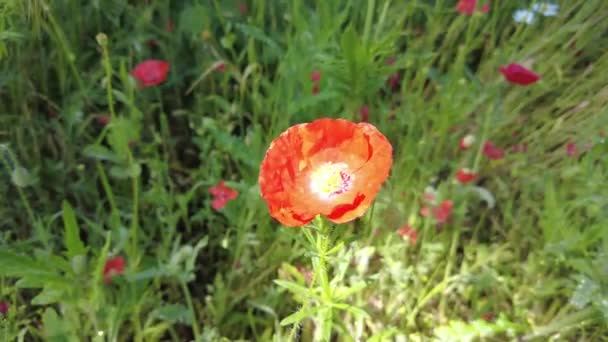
(524, 255)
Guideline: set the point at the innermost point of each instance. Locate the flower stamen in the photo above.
(331, 179)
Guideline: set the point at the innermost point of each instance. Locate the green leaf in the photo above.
(357, 312)
(585, 292)
(174, 313)
(99, 152)
(192, 19)
(293, 287)
(258, 34)
(15, 265)
(299, 315)
(71, 234)
(48, 296)
(342, 293)
(22, 178)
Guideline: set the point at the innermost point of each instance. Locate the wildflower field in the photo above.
(299, 170)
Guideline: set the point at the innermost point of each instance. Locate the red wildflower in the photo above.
(4, 308)
(407, 232)
(151, 72)
(315, 89)
(330, 167)
(113, 267)
(220, 67)
(222, 195)
(315, 76)
(518, 74)
(424, 211)
(443, 212)
(492, 152)
(465, 176)
(364, 112)
(488, 316)
(466, 142)
(103, 120)
(243, 8)
(394, 81)
(468, 7)
(571, 150)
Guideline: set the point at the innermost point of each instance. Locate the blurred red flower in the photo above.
(492, 152)
(220, 66)
(151, 72)
(4, 308)
(315, 76)
(330, 167)
(103, 120)
(364, 112)
(518, 74)
(468, 7)
(443, 212)
(465, 176)
(394, 81)
(222, 194)
(315, 89)
(408, 232)
(571, 150)
(113, 267)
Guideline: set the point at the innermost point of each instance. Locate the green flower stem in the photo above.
(323, 245)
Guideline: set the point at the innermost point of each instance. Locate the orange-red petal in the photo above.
(286, 171)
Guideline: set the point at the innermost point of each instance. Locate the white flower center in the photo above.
(331, 179)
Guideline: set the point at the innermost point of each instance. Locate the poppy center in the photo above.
(330, 179)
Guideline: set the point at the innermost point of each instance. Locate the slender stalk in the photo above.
(195, 330)
(24, 200)
(371, 6)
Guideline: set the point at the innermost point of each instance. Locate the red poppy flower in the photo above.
(113, 267)
(331, 167)
(518, 74)
(488, 316)
(4, 308)
(466, 142)
(571, 150)
(425, 211)
(315, 76)
(465, 176)
(468, 7)
(103, 120)
(394, 81)
(364, 112)
(492, 152)
(443, 212)
(151, 72)
(222, 195)
(243, 8)
(220, 66)
(407, 232)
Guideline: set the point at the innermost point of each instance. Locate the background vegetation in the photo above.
(524, 256)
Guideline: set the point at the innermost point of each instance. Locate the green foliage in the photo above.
(527, 242)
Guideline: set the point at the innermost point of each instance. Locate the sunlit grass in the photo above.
(522, 255)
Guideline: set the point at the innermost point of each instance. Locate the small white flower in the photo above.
(524, 16)
(546, 8)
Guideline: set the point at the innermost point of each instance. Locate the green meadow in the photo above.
(132, 135)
